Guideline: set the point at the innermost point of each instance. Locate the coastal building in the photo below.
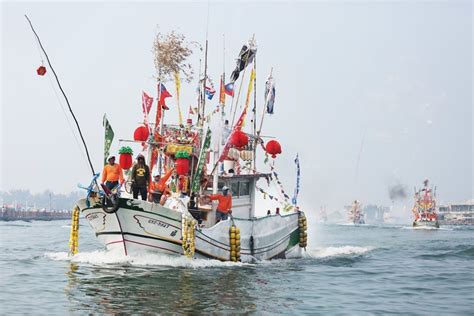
(461, 213)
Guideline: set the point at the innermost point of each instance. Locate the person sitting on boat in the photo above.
(140, 178)
(158, 187)
(112, 174)
(225, 204)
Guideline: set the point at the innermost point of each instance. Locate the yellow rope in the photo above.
(74, 237)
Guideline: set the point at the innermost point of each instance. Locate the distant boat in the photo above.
(356, 216)
(424, 210)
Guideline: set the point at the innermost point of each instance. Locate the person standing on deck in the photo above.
(158, 187)
(225, 204)
(112, 174)
(140, 178)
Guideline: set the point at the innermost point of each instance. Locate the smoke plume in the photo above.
(397, 192)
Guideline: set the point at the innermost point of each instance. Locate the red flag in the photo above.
(147, 102)
(163, 95)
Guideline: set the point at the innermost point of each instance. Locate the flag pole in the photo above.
(223, 75)
(204, 85)
(254, 119)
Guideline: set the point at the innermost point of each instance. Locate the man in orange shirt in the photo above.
(225, 204)
(112, 173)
(158, 187)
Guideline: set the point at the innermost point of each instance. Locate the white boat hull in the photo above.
(140, 226)
(434, 224)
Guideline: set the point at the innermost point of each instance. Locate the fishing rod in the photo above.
(64, 95)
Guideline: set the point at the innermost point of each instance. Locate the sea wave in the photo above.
(462, 251)
(344, 251)
(104, 258)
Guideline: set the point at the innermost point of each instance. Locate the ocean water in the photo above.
(348, 270)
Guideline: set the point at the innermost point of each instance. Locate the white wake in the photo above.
(102, 258)
(339, 251)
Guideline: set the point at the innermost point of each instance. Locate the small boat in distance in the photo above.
(356, 216)
(424, 209)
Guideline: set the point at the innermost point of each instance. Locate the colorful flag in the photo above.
(229, 89)
(163, 95)
(294, 200)
(147, 102)
(246, 56)
(210, 92)
(191, 111)
(109, 136)
(196, 184)
(269, 94)
(241, 121)
(222, 92)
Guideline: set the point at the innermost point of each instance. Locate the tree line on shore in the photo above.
(42, 200)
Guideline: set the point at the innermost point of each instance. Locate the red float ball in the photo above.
(141, 133)
(273, 148)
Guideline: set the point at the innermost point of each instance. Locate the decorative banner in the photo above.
(269, 94)
(297, 188)
(196, 183)
(240, 123)
(210, 92)
(246, 56)
(222, 92)
(286, 206)
(178, 88)
(109, 136)
(147, 102)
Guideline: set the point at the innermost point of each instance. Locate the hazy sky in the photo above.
(398, 72)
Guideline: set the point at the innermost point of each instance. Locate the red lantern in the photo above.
(141, 133)
(41, 71)
(125, 161)
(239, 139)
(182, 166)
(273, 148)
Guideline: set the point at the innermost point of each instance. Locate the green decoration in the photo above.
(125, 150)
(182, 154)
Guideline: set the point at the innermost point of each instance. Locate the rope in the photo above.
(64, 94)
(61, 104)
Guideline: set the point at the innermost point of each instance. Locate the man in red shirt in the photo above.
(225, 204)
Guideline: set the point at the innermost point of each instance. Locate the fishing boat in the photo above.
(424, 210)
(202, 157)
(356, 216)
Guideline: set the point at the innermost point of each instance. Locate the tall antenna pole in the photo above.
(205, 68)
(254, 119)
(204, 85)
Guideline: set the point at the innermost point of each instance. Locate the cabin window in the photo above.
(234, 187)
(244, 189)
